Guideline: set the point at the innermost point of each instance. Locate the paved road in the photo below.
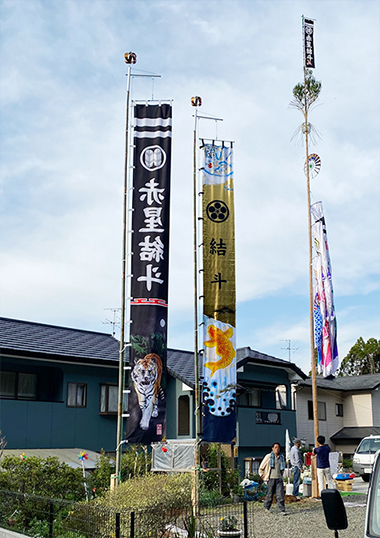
(359, 486)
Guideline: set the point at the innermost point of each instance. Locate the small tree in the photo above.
(363, 358)
(230, 477)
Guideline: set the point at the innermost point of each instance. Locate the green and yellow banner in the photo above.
(219, 311)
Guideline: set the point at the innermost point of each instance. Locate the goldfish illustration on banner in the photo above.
(224, 347)
(219, 367)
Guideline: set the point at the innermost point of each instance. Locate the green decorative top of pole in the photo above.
(305, 95)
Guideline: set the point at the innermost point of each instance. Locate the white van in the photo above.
(365, 455)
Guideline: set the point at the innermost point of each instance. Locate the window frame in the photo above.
(310, 410)
(183, 398)
(248, 393)
(16, 387)
(107, 387)
(339, 412)
(76, 406)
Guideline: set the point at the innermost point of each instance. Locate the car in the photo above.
(364, 456)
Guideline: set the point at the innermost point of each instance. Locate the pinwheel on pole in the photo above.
(313, 165)
(84, 456)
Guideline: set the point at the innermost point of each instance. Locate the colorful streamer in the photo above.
(325, 327)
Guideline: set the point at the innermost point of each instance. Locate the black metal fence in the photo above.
(42, 517)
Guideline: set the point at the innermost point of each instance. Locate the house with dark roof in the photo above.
(58, 389)
(348, 410)
(58, 386)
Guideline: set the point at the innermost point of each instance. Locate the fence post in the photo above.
(117, 528)
(245, 519)
(51, 519)
(132, 529)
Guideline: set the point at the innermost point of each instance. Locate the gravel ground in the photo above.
(306, 519)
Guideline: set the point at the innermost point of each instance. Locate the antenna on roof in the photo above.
(289, 348)
(115, 322)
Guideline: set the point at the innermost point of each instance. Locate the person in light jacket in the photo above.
(271, 471)
(296, 465)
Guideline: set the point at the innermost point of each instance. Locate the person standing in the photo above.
(296, 464)
(322, 452)
(271, 471)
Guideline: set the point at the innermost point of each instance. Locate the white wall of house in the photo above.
(332, 424)
(358, 409)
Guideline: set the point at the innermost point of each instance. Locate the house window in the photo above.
(321, 410)
(268, 418)
(109, 397)
(339, 410)
(76, 394)
(250, 398)
(281, 397)
(183, 415)
(18, 385)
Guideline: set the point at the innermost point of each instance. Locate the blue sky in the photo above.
(62, 87)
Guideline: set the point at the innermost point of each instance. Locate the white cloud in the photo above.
(62, 162)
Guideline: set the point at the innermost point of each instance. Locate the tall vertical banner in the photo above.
(308, 43)
(219, 311)
(325, 327)
(149, 282)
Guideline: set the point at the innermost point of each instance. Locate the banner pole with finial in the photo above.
(130, 59)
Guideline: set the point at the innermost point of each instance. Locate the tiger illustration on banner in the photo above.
(146, 376)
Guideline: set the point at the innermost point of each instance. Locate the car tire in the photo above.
(365, 477)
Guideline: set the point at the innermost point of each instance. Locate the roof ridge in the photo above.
(14, 320)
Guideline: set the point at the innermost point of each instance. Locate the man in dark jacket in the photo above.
(322, 452)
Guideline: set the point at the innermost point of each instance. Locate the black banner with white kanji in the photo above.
(149, 282)
(308, 43)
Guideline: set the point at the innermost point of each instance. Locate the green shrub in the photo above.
(347, 463)
(158, 498)
(46, 477)
(135, 461)
(31, 483)
(211, 497)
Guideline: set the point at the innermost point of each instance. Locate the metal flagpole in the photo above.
(130, 58)
(196, 102)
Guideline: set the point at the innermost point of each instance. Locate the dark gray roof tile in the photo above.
(40, 339)
(347, 384)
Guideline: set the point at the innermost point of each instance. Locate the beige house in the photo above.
(348, 410)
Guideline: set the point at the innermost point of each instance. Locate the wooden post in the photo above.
(220, 468)
(311, 317)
